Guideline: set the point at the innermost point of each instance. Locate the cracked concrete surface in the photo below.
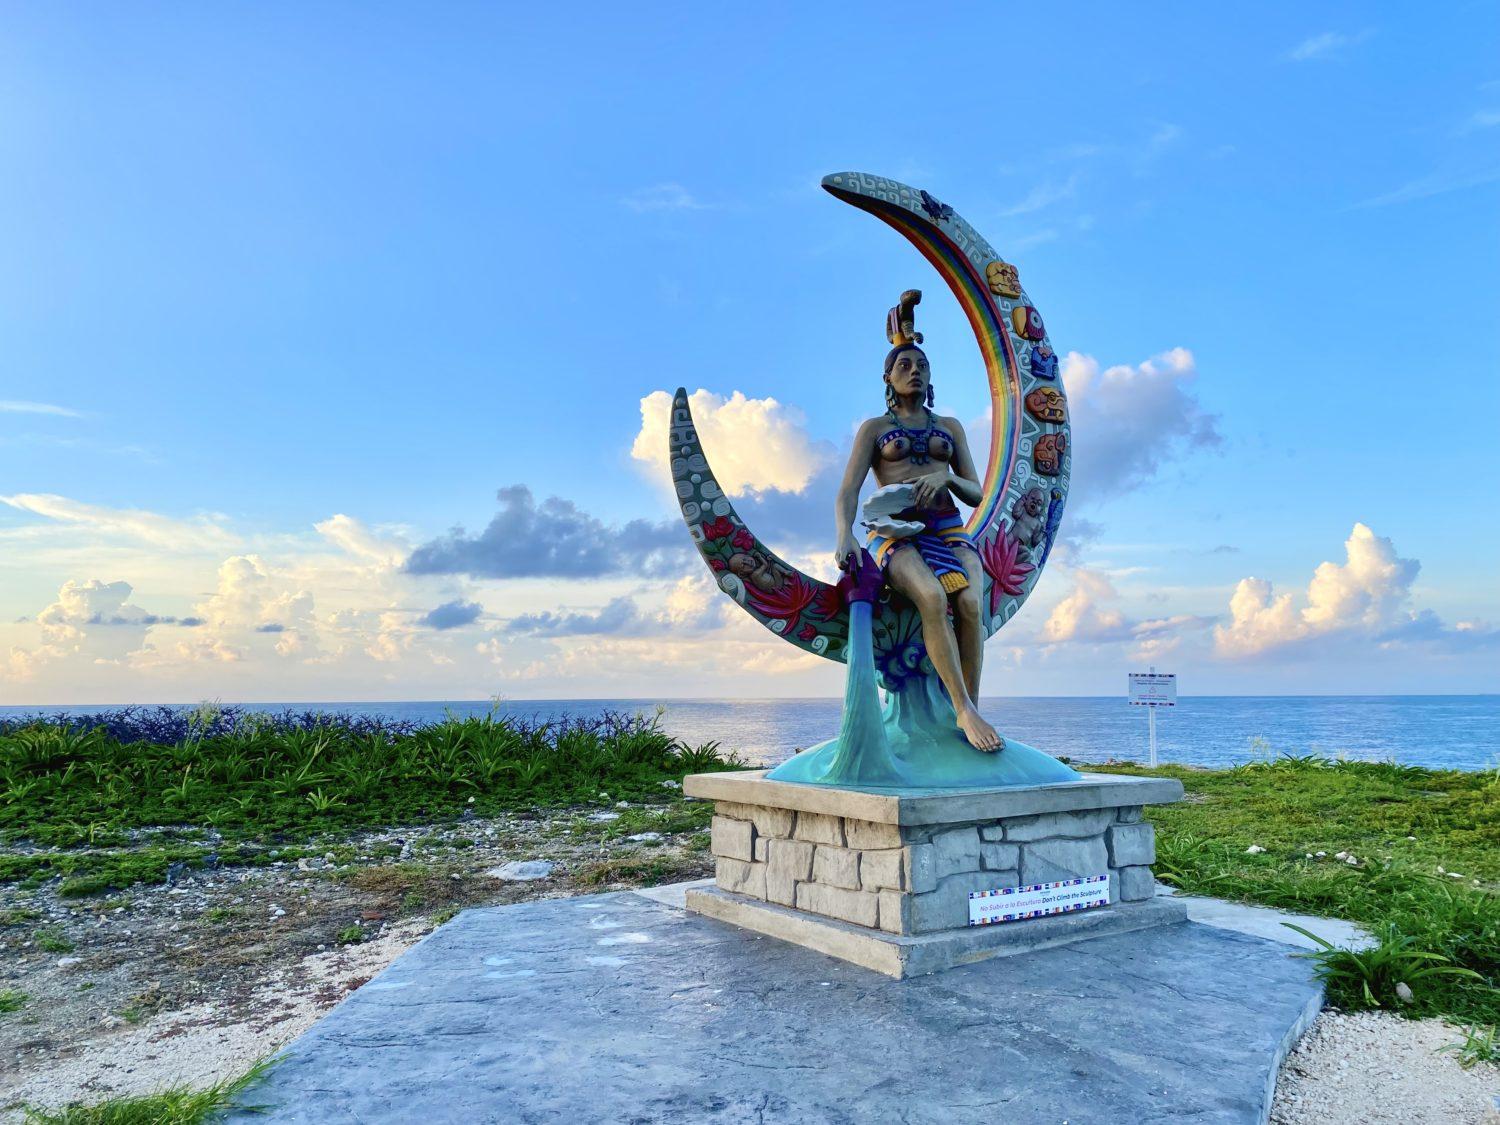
(512, 1014)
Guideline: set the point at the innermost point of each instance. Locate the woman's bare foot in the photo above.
(980, 734)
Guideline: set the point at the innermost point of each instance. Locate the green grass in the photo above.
(51, 939)
(1480, 1044)
(168, 1107)
(646, 870)
(1402, 890)
(67, 787)
(12, 1000)
(351, 935)
(80, 791)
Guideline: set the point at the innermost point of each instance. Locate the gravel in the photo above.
(190, 982)
(1374, 1068)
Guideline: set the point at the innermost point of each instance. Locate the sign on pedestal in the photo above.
(1011, 904)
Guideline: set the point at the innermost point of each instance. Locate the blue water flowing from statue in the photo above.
(913, 742)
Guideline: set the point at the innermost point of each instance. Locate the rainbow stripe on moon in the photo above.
(964, 277)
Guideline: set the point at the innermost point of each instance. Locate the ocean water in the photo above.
(1440, 731)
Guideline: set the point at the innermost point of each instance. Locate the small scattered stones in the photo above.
(1377, 1068)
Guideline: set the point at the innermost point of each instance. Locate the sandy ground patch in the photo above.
(1374, 1068)
(191, 983)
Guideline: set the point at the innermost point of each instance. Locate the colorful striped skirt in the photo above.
(945, 531)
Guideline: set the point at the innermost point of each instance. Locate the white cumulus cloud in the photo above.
(1083, 615)
(1366, 594)
(752, 443)
(1129, 421)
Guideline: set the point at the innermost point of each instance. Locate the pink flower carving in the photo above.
(1001, 558)
(721, 528)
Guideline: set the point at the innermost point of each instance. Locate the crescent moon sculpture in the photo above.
(915, 743)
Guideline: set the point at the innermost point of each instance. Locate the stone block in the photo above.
(767, 821)
(1131, 845)
(790, 859)
(919, 867)
(783, 888)
(882, 870)
(732, 838)
(867, 834)
(994, 831)
(1074, 825)
(1046, 861)
(817, 828)
(836, 867)
(1136, 883)
(947, 907)
(1128, 814)
(1000, 857)
(956, 850)
(740, 877)
(895, 912)
(860, 907)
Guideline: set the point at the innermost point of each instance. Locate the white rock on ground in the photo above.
(521, 870)
(1375, 1068)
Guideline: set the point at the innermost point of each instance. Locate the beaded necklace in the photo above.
(920, 440)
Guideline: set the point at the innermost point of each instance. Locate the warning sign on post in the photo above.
(1153, 689)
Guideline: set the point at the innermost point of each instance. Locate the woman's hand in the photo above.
(846, 547)
(927, 489)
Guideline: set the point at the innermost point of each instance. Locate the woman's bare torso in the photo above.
(891, 462)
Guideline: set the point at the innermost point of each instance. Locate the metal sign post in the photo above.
(1152, 690)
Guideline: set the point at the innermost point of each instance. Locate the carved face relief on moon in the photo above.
(1027, 322)
(1003, 278)
(1046, 404)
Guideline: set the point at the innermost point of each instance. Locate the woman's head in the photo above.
(907, 371)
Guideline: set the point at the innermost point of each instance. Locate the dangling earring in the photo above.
(929, 396)
(890, 396)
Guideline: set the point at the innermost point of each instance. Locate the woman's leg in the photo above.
(967, 622)
(909, 573)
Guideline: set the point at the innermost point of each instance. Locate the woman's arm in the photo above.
(963, 477)
(848, 497)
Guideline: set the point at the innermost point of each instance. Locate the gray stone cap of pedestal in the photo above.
(934, 806)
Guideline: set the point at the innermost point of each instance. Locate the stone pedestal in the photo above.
(884, 879)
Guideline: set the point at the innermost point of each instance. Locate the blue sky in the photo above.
(271, 270)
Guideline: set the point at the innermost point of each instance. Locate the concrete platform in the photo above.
(621, 1007)
(915, 807)
(913, 955)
